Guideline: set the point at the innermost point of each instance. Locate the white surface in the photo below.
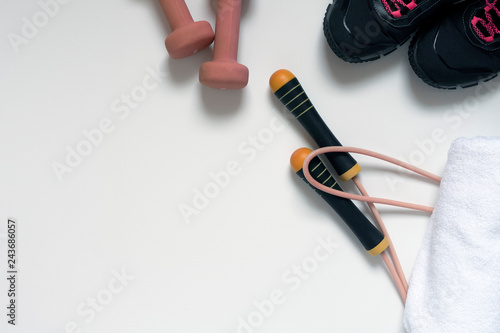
(119, 208)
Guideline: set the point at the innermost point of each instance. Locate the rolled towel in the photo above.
(455, 283)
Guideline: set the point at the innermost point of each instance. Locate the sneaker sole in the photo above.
(421, 74)
(338, 51)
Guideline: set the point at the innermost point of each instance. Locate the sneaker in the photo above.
(461, 50)
(363, 30)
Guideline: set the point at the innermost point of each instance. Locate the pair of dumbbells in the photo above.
(189, 37)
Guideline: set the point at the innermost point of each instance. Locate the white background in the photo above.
(118, 210)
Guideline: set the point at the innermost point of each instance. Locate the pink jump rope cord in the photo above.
(394, 267)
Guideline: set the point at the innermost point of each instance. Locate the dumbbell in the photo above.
(224, 72)
(187, 37)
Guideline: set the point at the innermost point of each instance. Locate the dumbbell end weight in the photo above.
(224, 75)
(189, 39)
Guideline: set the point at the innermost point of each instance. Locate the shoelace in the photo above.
(487, 24)
(394, 7)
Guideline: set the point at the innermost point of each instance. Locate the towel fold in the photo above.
(455, 283)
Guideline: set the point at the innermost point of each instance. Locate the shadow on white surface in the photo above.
(186, 71)
(426, 95)
(221, 102)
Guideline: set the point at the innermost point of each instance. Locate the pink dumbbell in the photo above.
(224, 72)
(187, 37)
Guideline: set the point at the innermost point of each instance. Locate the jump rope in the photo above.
(307, 165)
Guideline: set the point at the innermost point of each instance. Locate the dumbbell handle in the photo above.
(176, 12)
(227, 30)
(289, 91)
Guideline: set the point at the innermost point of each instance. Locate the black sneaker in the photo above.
(462, 50)
(363, 30)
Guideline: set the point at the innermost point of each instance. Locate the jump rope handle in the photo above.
(289, 91)
(369, 236)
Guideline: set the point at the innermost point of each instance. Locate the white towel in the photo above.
(455, 283)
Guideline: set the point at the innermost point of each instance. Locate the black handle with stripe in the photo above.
(289, 91)
(369, 236)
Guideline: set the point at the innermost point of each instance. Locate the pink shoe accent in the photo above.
(411, 5)
(394, 7)
(487, 23)
(396, 14)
